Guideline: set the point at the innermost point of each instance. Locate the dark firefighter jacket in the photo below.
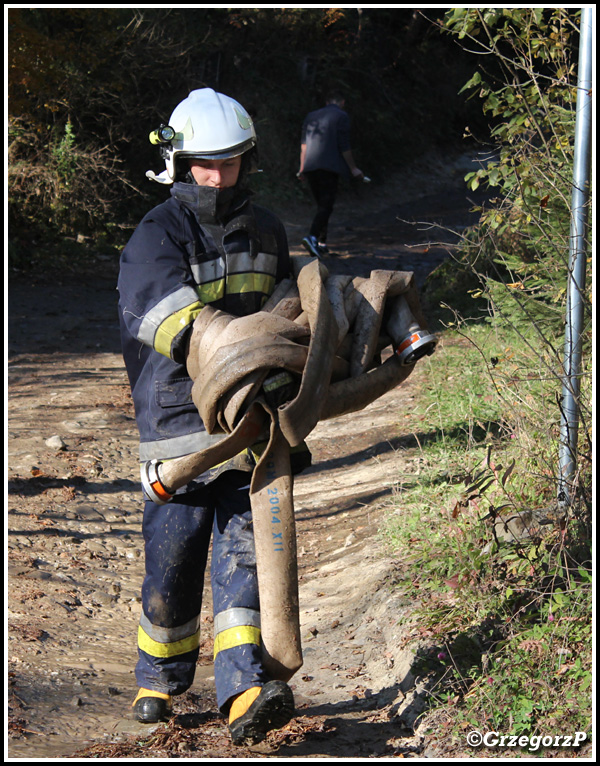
(185, 254)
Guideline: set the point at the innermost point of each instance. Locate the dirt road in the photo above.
(75, 562)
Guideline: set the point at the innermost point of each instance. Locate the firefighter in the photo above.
(207, 244)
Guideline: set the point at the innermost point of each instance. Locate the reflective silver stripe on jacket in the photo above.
(237, 263)
(168, 635)
(184, 296)
(236, 617)
(176, 446)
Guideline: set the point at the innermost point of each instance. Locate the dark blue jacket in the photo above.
(184, 254)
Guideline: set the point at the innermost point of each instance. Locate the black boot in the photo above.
(272, 709)
(151, 709)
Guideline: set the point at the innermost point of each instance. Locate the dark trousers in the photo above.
(177, 538)
(324, 186)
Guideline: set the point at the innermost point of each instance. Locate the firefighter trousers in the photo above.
(177, 540)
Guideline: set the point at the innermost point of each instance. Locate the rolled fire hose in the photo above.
(327, 332)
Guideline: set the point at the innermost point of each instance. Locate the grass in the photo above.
(501, 573)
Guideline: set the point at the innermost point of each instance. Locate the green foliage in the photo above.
(500, 574)
(492, 554)
(539, 680)
(522, 245)
(59, 187)
(62, 153)
(520, 250)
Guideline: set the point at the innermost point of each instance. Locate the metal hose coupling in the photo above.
(411, 342)
(415, 346)
(152, 485)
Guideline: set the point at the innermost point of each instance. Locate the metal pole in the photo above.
(577, 263)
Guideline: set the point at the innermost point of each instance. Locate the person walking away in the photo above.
(325, 155)
(206, 244)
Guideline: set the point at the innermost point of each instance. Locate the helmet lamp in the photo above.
(163, 135)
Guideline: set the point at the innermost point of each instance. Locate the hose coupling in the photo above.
(152, 485)
(415, 346)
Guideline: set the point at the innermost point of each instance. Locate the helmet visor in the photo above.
(225, 154)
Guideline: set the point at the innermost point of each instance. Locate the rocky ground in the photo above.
(75, 561)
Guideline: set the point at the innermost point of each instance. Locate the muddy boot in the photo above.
(259, 710)
(151, 707)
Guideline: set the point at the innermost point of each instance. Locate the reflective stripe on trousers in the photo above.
(177, 538)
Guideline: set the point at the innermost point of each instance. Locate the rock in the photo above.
(101, 598)
(55, 443)
(526, 524)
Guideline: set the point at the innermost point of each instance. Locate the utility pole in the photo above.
(577, 264)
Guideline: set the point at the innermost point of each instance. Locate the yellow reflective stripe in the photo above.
(168, 330)
(156, 649)
(281, 379)
(250, 282)
(243, 634)
(212, 291)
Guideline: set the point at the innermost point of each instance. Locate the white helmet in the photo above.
(207, 125)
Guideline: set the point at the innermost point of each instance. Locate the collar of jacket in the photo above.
(210, 205)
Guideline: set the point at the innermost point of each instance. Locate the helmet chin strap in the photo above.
(161, 178)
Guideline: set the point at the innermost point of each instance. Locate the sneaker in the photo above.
(323, 248)
(259, 710)
(151, 707)
(310, 243)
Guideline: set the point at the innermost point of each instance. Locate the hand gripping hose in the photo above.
(327, 332)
